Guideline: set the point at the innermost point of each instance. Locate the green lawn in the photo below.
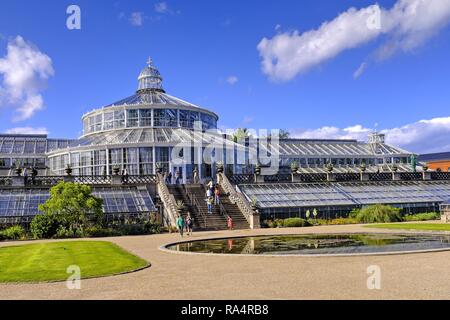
(49, 261)
(412, 226)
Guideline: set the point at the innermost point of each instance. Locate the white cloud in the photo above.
(162, 7)
(407, 25)
(232, 80)
(137, 19)
(424, 136)
(247, 120)
(27, 130)
(360, 70)
(25, 72)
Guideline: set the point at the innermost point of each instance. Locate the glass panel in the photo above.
(132, 118)
(119, 119)
(145, 117)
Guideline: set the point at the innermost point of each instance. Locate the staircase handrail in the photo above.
(167, 199)
(242, 203)
(194, 201)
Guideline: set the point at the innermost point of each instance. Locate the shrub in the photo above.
(422, 216)
(354, 213)
(124, 230)
(45, 226)
(64, 232)
(378, 213)
(102, 232)
(13, 233)
(295, 222)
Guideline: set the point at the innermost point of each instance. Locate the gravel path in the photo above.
(180, 276)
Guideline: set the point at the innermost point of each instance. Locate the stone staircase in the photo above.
(193, 195)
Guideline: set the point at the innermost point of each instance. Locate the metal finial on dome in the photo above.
(150, 78)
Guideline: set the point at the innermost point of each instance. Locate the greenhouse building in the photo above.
(151, 136)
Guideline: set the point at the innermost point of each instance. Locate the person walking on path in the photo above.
(217, 195)
(25, 175)
(180, 224)
(230, 223)
(189, 224)
(209, 202)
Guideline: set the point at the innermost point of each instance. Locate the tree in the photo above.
(241, 134)
(284, 134)
(74, 205)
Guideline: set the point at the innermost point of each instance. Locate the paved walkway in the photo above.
(180, 276)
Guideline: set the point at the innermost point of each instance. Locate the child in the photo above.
(230, 223)
(216, 195)
(209, 202)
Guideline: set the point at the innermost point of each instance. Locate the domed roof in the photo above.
(150, 78)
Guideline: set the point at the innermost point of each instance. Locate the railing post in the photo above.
(116, 179)
(396, 176)
(426, 175)
(364, 176)
(18, 181)
(69, 179)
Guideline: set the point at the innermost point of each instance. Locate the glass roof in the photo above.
(401, 167)
(151, 135)
(284, 195)
(152, 98)
(30, 144)
(341, 148)
(25, 202)
(150, 92)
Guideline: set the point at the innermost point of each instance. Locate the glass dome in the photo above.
(150, 78)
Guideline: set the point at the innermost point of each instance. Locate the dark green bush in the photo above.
(378, 213)
(423, 216)
(13, 233)
(68, 232)
(102, 232)
(336, 221)
(295, 222)
(45, 226)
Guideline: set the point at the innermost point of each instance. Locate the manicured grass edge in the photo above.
(147, 265)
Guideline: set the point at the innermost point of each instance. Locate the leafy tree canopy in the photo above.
(74, 204)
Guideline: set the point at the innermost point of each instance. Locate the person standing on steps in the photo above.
(216, 195)
(177, 177)
(230, 223)
(180, 224)
(208, 192)
(209, 202)
(169, 178)
(189, 224)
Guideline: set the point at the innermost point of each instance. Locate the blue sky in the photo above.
(208, 54)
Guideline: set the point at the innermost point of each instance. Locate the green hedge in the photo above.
(295, 222)
(377, 213)
(422, 216)
(336, 221)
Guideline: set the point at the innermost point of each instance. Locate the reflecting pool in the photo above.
(318, 244)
